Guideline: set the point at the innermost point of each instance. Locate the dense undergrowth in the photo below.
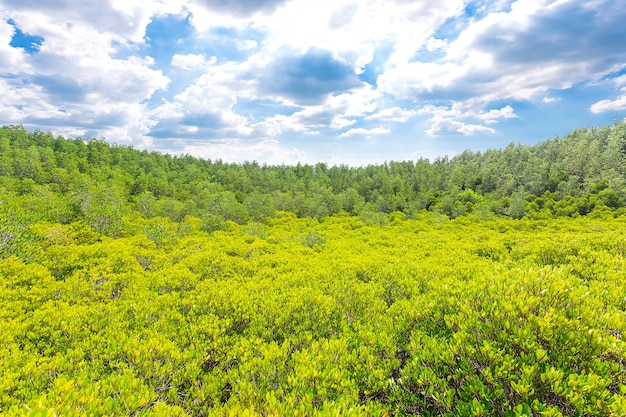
(300, 317)
(206, 300)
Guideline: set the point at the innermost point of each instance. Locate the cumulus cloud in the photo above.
(550, 99)
(615, 105)
(268, 151)
(12, 59)
(336, 112)
(493, 115)
(73, 81)
(306, 121)
(609, 105)
(521, 54)
(246, 73)
(307, 78)
(242, 8)
(456, 119)
(366, 132)
(343, 16)
(455, 127)
(203, 110)
(392, 114)
(121, 20)
(191, 61)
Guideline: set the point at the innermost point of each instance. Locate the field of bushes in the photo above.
(125, 294)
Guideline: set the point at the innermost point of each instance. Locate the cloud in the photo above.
(191, 61)
(307, 78)
(199, 126)
(550, 99)
(204, 109)
(609, 105)
(535, 47)
(540, 32)
(306, 121)
(453, 120)
(12, 60)
(618, 104)
(620, 80)
(242, 8)
(268, 151)
(108, 81)
(343, 16)
(75, 82)
(366, 132)
(392, 114)
(454, 127)
(336, 112)
(122, 20)
(61, 88)
(241, 74)
(493, 115)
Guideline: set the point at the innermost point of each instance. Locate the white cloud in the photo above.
(340, 122)
(191, 61)
(428, 65)
(205, 108)
(453, 120)
(516, 55)
(418, 79)
(392, 114)
(343, 16)
(366, 132)
(268, 151)
(11, 59)
(242, 8)
(353, 30)
(75, 83)
(120, 20)
(493, 115)
(337, 112)
(455, 127)
(609, 105)
(620, 81)
(616, 105)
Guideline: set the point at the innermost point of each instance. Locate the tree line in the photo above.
(580, 173)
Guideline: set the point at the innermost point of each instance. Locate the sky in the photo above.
(336, 81)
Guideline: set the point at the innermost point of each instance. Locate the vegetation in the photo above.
(135, 283)
(95, 181)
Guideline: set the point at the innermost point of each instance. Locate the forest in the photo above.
(144, 284)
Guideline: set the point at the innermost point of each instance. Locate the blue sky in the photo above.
(288, 81)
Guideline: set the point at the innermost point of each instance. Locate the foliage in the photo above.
(134, 283)
(581, 171)
(500, 317)
(312, 238)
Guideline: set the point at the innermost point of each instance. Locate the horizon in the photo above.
(286, 82)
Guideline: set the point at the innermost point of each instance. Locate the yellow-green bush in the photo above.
(344, 316)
